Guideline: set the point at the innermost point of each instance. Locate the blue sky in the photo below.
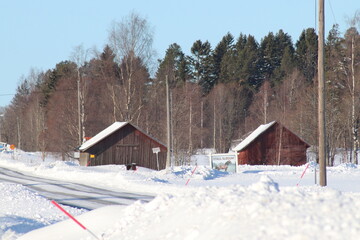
(41, 33)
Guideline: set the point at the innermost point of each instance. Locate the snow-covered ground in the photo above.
(258, 202)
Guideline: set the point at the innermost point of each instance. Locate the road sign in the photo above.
(156, 150)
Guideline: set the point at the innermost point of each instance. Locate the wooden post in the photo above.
(280, 144)
(321, 97)
(79, 108)
(168, 160)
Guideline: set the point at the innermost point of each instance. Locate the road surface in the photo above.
(72, 194)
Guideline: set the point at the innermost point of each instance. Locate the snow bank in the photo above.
(22, 210)
(259, 211)
(258, 202)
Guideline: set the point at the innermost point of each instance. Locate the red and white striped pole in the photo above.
(191, 175)
(303, 173)
(72, 218)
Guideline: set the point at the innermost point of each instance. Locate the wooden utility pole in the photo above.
(168, 160)
(1, 125)
(202, 124)
(214, 123)
(321, 96)
(79, 109)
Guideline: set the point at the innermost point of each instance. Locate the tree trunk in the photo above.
(214, 127)
(18, 133)
(353, 117)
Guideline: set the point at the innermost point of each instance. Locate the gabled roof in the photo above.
(261, 129)
(108, 131)
(101, 135)
(255, 134)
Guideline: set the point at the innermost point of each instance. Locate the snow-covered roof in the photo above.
(108, 131)
(253, 136)
(101, 135)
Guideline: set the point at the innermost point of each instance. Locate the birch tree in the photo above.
(351, 60)
(79, 56)
(131, 40)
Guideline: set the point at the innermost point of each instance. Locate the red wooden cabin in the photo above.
(124, 144)
(272, 144)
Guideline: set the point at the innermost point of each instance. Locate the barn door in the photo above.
(127, 153)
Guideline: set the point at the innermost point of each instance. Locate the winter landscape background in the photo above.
(219, 91)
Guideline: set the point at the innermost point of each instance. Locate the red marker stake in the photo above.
(303, 174)
(72, 218)
(191, 175)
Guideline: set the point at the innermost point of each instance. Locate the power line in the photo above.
(316, 20)
(31, 92)
(332, 11)
(7, 94)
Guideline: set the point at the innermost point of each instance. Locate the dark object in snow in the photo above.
(131, 166)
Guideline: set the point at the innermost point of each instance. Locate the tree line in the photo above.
(218, 94)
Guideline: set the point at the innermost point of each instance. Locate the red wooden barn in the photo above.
(272, 144)
(123, 143)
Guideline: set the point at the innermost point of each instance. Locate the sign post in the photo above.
(157, 150)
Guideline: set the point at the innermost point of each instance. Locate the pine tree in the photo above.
(248, 60)
(241, 63)
(283, 42)
(229, 67)
(202, 63)
(272, 50)
(221, 49)
(22, 93)
(306, 53)
(231, 63)
(269, 60)
(287, 65)
(174, 65)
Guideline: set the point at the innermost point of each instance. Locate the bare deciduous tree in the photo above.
(351, 60)
(131, 41)
(79, 57)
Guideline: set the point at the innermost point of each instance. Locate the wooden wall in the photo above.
(265, 149)
(126, 146)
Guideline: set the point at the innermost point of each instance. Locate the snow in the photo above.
(103, 134)
(258, 202)
(22, 210)
(108, 131)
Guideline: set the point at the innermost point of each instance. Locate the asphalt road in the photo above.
(72, 194)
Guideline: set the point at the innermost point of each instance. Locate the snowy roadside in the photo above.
(259, 202)
(22, 210)
(259, 211)
(341, 177)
